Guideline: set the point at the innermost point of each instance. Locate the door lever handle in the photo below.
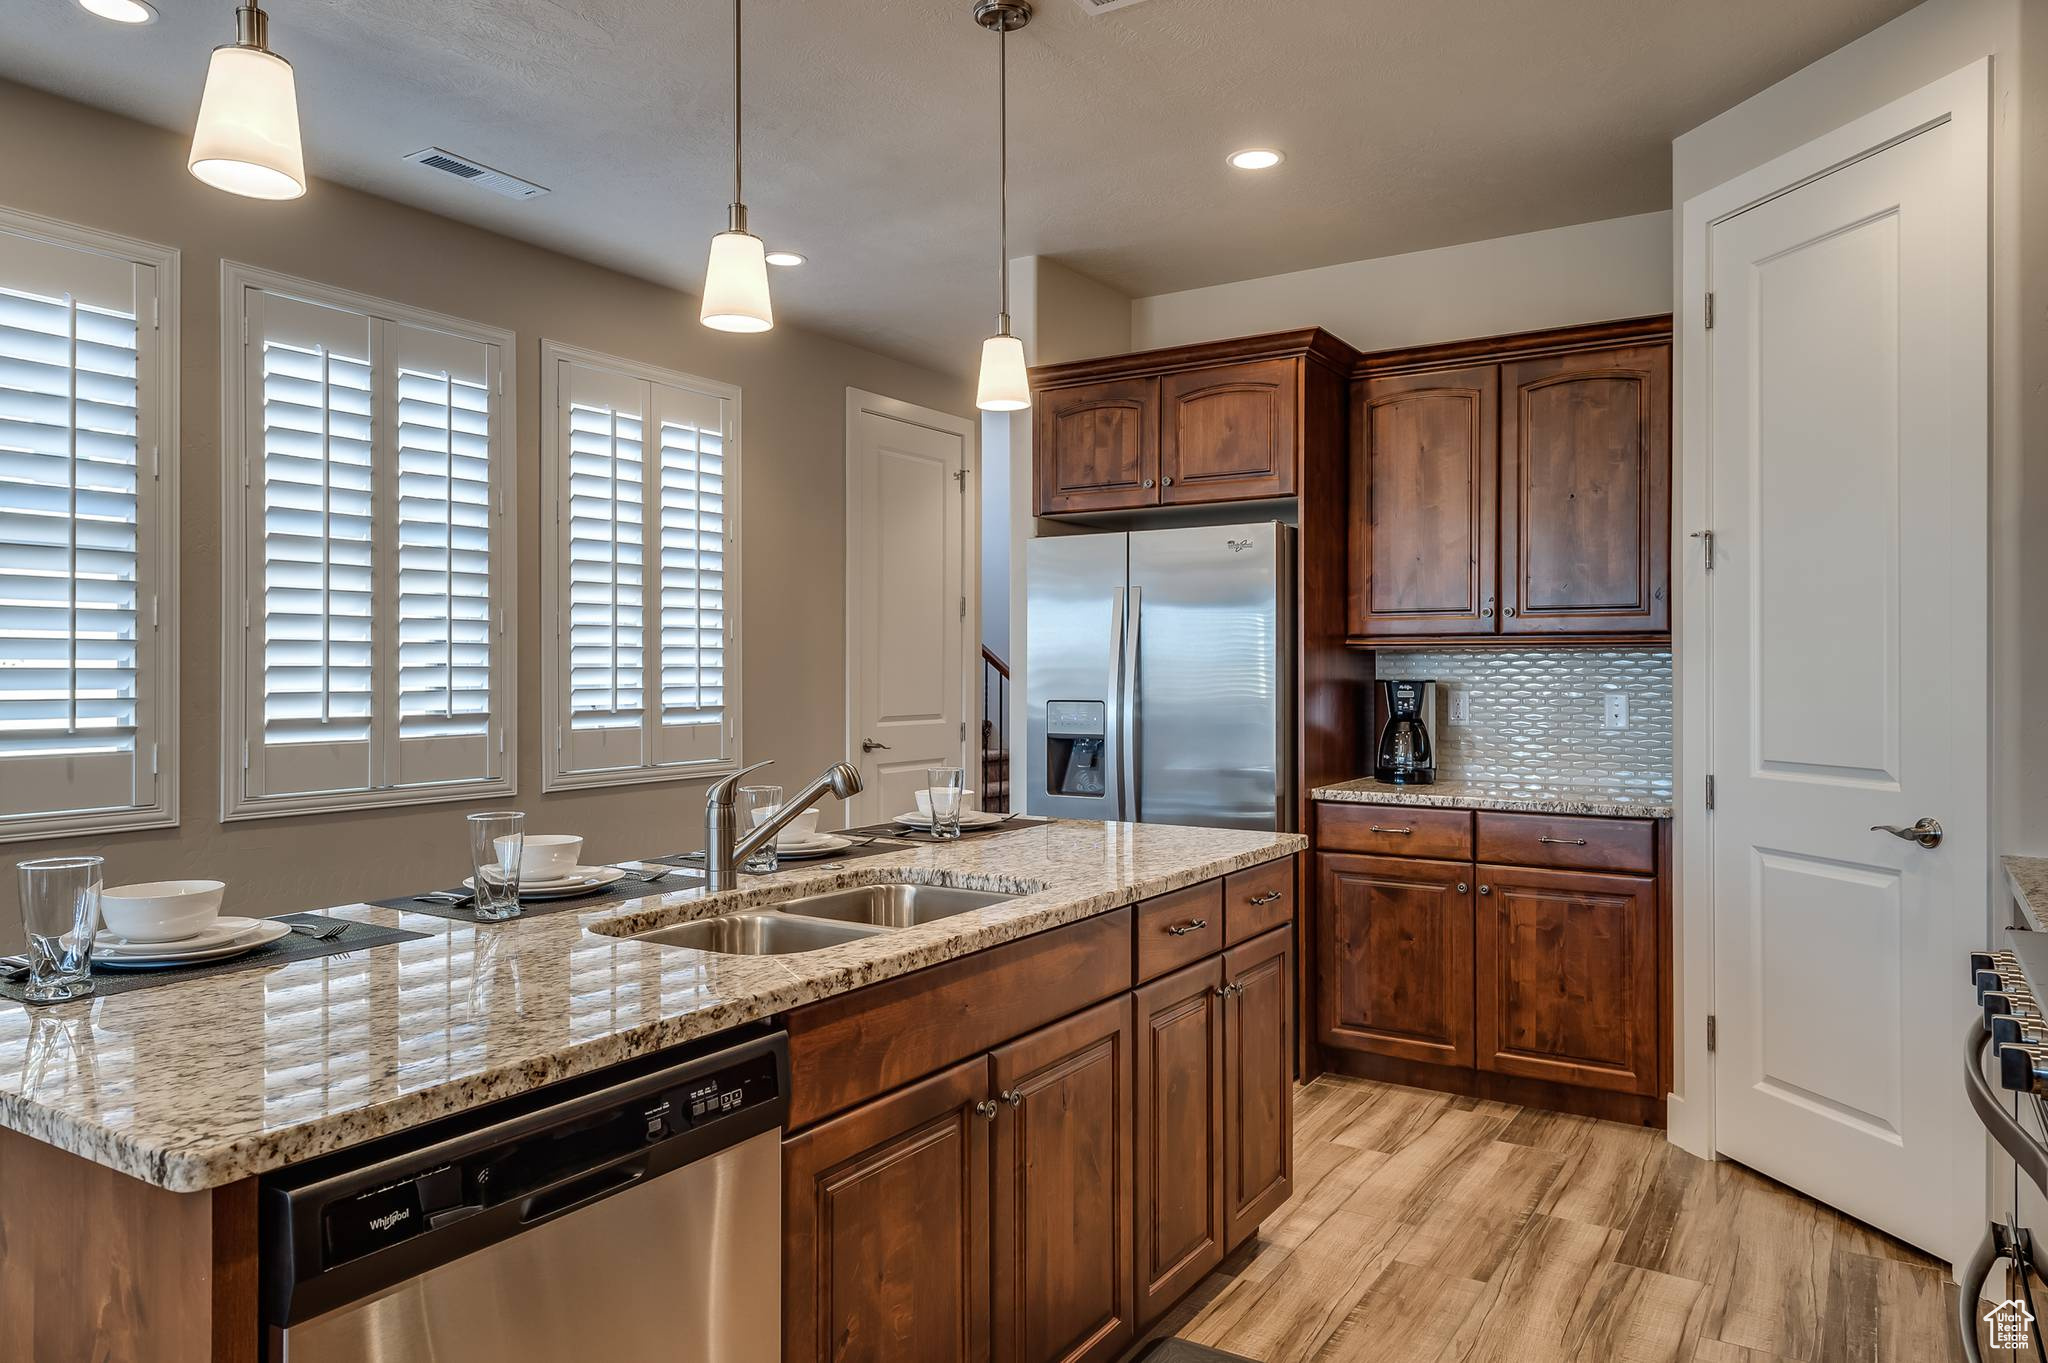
(1926, 832)
(869, 745)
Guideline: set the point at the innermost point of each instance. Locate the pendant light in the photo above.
(736, 281)
(1004, 386)
(247, 138)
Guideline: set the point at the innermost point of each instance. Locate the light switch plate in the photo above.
(1616, 714)
(1461, 706)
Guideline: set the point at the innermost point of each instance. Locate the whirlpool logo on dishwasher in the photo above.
(390, 1218)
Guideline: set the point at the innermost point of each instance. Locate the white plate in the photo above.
(585, 880)
(969, 818)
(268, 930)
(824, 845)
(222, 931)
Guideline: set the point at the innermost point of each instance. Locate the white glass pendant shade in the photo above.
(736, 284)
(1004, 386)
(247, 140)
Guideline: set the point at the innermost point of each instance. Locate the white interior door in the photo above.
(1848, 678)
(908, 617)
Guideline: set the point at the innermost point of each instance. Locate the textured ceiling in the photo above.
(870, 126)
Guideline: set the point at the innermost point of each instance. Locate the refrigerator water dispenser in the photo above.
(1073, 746)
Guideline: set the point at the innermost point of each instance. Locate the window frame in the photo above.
(241, 724)
(158, 427)
(554, 470)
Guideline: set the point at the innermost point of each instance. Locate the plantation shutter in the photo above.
(78, 533)
(642, 533)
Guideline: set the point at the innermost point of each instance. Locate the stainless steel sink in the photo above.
(891, 906)
(758, 934)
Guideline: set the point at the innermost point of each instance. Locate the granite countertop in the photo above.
(207, 1081)
(2028, 877)
(1512, 796)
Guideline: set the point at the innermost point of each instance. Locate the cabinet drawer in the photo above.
(1257, 899)
(1180, 928)
(1572, 843)
(1394, 830)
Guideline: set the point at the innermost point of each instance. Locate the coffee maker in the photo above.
(1407, 751)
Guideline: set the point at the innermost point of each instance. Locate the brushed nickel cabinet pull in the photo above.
(1192, 925)
(1562, 842)
(1013, 1098)
(1461, 887)
(1486, 889)
(1402, 831)
(1266, 898)
(986, 1108)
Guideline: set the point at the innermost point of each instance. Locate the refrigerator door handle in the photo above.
(1131, 796)
(1113, 721)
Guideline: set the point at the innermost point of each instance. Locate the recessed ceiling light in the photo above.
(786, 259)
(1255, 158)
(120, 11)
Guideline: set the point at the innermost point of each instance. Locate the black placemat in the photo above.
(695, 860)
(296, 946)
(629, 888)
(917, 835)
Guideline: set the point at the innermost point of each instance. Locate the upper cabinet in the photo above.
(1514, 487)
(1223, 421)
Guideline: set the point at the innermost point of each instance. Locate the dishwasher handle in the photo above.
(582, 1189)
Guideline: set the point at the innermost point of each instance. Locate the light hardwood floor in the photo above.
(1427, 1228)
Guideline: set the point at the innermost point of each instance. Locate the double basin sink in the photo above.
(814, 922)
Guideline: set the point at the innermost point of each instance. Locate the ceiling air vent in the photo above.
(1105, 6)
(482, 176)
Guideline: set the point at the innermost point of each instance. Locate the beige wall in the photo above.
(1917, 48)
(1591, 272)
(92, 168)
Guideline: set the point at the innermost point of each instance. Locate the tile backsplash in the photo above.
(1537, 715)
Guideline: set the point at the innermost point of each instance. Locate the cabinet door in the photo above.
(1229, 432)
(1258, 1081)
(1395, 962)
(1097, 447)
(1180, 1225)
(885, 1214)
(1585, 493)
(1567, 977)
(1061, 1214)
(1422, 503)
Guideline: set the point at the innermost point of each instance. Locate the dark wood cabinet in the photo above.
(1566, 963)
(1229, 432)
(1061, 1212)
(1180, 1224)
(1097, 446)
(1258, 1066)
(1514, 486)
(1395, 956)
(886, 1228)
(1585, 492)
(1422, 502)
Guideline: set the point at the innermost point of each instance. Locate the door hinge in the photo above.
(1706, 539)
(960, 477)
(1712, 1038)
(245, 754)
(156, 305)
(963, 731)
(1710, 312)
(1710, 792)
(963, 608)
(152, 759)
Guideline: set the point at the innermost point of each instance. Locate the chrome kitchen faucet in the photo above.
(724, 846)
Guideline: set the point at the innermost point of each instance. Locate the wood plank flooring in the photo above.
(1427, 1228)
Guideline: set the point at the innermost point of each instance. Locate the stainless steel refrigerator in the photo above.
(1159, 676)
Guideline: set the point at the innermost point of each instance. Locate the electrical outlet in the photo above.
(1461, 707)
(1616, 715)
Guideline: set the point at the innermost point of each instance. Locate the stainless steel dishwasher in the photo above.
(633, 1215)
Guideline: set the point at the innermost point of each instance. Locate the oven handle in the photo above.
(2030, 1154)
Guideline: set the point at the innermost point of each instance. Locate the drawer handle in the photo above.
(1563, 842)
(1267, 898)
(1192, 925)
(1403, 831)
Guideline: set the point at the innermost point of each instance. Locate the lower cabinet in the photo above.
(1046, 1201)
(1062, 1205)
(1396, 958)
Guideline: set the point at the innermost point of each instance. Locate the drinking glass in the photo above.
(496, 842)
(60, 911)
(942, 785)
(757, 805)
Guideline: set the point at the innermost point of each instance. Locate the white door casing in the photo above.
(911, 597)
(1841, 400)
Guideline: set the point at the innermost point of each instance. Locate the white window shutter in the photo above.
(77, 534)
(690, 724)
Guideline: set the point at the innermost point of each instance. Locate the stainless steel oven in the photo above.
(635, 1215)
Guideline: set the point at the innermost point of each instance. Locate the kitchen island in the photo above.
(133, 1128)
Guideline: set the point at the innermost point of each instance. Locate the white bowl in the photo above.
(161, 910)
(924, 801)
(546, 856)
(800, 829)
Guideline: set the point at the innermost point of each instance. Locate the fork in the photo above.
(645, 877)
(321, 932)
